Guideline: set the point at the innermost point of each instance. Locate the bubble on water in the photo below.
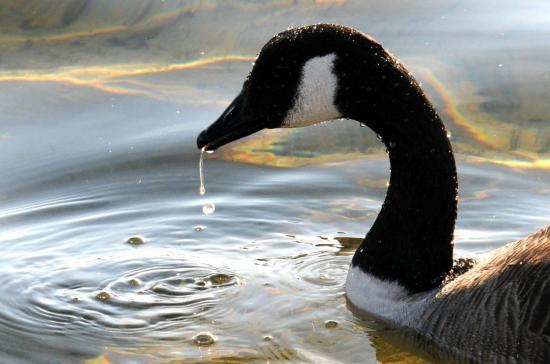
(103, 296)
(220, 278)
(268, 338)
(199, 228)
(208, 208)
(135, 240)
(204, 339)
(331, 324)
(134, 282)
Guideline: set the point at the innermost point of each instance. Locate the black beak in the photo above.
(233, 124)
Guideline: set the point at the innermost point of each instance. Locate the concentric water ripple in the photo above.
(119, 297)
(325, 271)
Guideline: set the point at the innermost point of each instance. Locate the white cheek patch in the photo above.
(314, 102)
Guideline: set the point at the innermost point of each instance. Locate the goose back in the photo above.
(500, 308)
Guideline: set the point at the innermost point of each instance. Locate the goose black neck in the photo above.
(411, 239)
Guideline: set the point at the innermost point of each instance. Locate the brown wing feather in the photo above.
(500, 309)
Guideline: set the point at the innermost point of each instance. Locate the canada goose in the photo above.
(499, 310)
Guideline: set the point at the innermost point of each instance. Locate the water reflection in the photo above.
(101, 106)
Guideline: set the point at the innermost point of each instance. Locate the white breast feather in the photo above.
(385, 299)
(314, 102)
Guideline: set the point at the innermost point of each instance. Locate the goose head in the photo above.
(314, 74)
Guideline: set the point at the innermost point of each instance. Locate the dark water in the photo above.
(101, 104)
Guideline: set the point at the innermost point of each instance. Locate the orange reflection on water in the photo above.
(124, 79)
(262, 150)
(539, 163)
(111, 78)
(451, 109)
(66, 79)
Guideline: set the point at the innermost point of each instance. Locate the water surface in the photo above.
(101, 104)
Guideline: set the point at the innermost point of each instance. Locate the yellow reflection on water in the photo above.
(274, 148)
(110, 79)
(543, 163)
(497, 137)
(263, 149)
(450, 107)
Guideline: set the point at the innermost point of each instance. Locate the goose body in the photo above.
(402, 273)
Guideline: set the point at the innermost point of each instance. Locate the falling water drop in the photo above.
(202, 189)
(209, 207)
